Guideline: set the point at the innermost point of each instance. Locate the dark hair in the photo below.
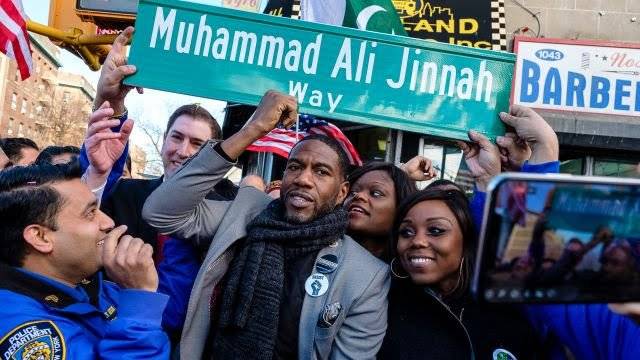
(459, 206)
(13, 147)
(197, 112)
(343, 159)
(401, 183)
(576, 241)
(47, 154)
(441, 183)
(27, 198)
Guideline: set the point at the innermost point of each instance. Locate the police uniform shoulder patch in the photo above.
(502, 354)
(35, 340)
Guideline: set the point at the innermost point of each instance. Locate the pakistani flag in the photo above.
(372, 15)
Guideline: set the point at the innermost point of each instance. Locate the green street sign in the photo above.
(335, 72)
(586, 209)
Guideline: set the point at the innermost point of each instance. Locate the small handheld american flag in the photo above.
(281, 141)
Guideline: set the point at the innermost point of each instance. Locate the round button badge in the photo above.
(327, 264)
(316, 285)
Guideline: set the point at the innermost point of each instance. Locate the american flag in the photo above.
(14, 39)
(281, 141)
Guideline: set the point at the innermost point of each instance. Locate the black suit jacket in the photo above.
(124, 204)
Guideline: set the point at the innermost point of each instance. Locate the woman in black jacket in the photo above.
(431, 313)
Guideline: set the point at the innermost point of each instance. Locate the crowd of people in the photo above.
(332, 262)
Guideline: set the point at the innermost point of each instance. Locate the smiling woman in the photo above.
(435, 241)
(431, 314)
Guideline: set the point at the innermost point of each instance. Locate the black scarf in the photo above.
(249, 310)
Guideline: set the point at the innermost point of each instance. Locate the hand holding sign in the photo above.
(114, 70)
(533, 129)
(514, 151)
(482, 158)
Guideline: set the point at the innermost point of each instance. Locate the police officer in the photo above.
(54, 304)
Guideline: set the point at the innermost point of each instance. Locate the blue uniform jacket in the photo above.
(177, 272)
(590, 331)
(45, 319)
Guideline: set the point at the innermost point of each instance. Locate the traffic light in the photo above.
(115, 14)
(86, 27)
(107, 6)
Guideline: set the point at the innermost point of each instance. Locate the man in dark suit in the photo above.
(188, 128)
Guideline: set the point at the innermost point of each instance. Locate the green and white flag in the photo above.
(372, 15)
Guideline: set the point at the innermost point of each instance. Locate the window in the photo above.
(65, 97)
(20, 128)
(10, 128)
(614, 167)
(23, 108)
(371, 142)
(572, 166)
(14, 101)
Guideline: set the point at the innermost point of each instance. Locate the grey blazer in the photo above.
(359, 284)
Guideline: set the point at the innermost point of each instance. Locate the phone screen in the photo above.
(562, 242)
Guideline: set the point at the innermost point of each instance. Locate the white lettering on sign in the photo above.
(245, 46)
(299, 90)
(424, 77)
(162, 26)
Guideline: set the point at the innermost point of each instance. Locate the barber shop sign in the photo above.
(584, 76)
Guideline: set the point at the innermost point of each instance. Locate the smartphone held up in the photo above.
(559, 239)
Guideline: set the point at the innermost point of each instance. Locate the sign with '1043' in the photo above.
(585, 76)
(334, 72)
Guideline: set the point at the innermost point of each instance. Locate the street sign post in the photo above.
(340, 73)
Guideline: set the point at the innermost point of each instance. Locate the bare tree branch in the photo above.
(154, 135)
(62, 123)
